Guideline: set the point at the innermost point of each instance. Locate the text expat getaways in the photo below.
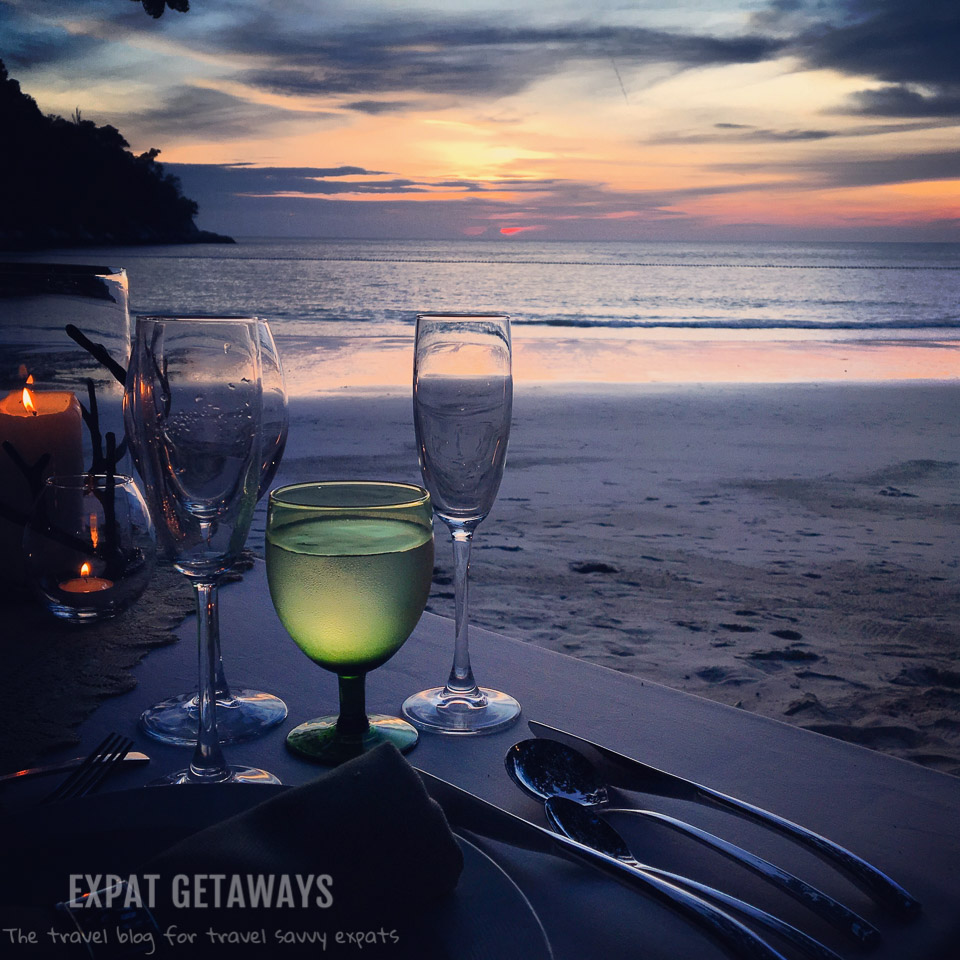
(203, 890)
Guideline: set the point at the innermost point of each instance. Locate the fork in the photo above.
(91, 773)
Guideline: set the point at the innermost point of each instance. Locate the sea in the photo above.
(346, 295)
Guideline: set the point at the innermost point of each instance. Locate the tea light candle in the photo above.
(34, 422)
(85, 583)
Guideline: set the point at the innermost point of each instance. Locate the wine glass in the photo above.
(242, 714)
(192, 407)
(349, 565)
(462, 401)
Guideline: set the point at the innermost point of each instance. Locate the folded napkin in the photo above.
(360, 854)
(358, 863)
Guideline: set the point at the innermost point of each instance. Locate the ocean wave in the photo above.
(522, 262)
(578, 322)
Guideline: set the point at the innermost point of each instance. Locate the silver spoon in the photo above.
(546, 768)
(583, 825)
(632, 774)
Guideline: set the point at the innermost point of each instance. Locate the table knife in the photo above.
(131, 758)
(629, 774)
(466, 811)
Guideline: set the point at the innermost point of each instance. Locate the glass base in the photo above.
(319, 740)
(237, 775)
(438, 711)
(246, 716)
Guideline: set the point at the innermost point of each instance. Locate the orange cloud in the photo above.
(510, 231)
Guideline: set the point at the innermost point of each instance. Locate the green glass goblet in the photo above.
(349, 566)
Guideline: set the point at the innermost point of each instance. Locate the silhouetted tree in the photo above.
(71, 182)
(156, 7)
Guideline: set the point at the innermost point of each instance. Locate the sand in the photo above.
(788, 549)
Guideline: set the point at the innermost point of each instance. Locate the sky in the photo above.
(569, 120)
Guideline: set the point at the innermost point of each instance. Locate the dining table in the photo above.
(901, 817)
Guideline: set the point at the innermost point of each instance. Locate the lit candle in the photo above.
(34, 423)
(85, 583)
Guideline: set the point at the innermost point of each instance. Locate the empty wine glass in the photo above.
(462, 402)
(349, 565)
(192, 407)
(242, 714)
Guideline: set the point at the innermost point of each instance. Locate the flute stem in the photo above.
(461, 682)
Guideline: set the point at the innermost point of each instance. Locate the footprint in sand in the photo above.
(792, 656)
(593, 566)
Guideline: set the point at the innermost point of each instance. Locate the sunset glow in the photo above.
(808, 120)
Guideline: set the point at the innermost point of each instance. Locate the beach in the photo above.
(789, 549)
(733, 469)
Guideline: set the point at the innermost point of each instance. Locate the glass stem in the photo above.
(207, 764)
(353, 722)
(461, 682)
(220, 680)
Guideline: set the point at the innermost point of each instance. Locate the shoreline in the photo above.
(789, 549)
(383, 365)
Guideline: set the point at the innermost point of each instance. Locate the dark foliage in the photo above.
(156, 7)
(72, 183)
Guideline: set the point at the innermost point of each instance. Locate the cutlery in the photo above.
(548, 768)
(583, 825)
(629, 774)
(469, 812)
(133, 758)
(92, 771)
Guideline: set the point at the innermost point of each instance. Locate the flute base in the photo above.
(320, 740)
(246, 715)
(439, 710)
(238, 774)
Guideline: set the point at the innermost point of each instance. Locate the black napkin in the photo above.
(358, 854)
(358, 863)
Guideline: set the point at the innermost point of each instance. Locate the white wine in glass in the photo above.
(349, 566)
(462, 404)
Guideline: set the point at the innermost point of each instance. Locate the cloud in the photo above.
(892, 40)
(459, 56)
(747, 133)
(900, 100)
(842, 171)
(944, 165)
(376, 107)
(910, 46)
(30, 43)
(241, 179)
(200, 111)
(227, 188)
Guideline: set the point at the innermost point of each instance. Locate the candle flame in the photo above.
(94, 532)
(84, 569)
(28, 403)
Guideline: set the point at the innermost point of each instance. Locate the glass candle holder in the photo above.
(64, 347)
(90, 546)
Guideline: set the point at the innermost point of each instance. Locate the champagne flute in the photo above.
(462, 402)
(242, 714)
(192, 407)
(349, 565)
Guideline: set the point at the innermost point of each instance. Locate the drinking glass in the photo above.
(242, 714)
(462, 401)
(349, 565)
(192, 406)
(90, 546)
